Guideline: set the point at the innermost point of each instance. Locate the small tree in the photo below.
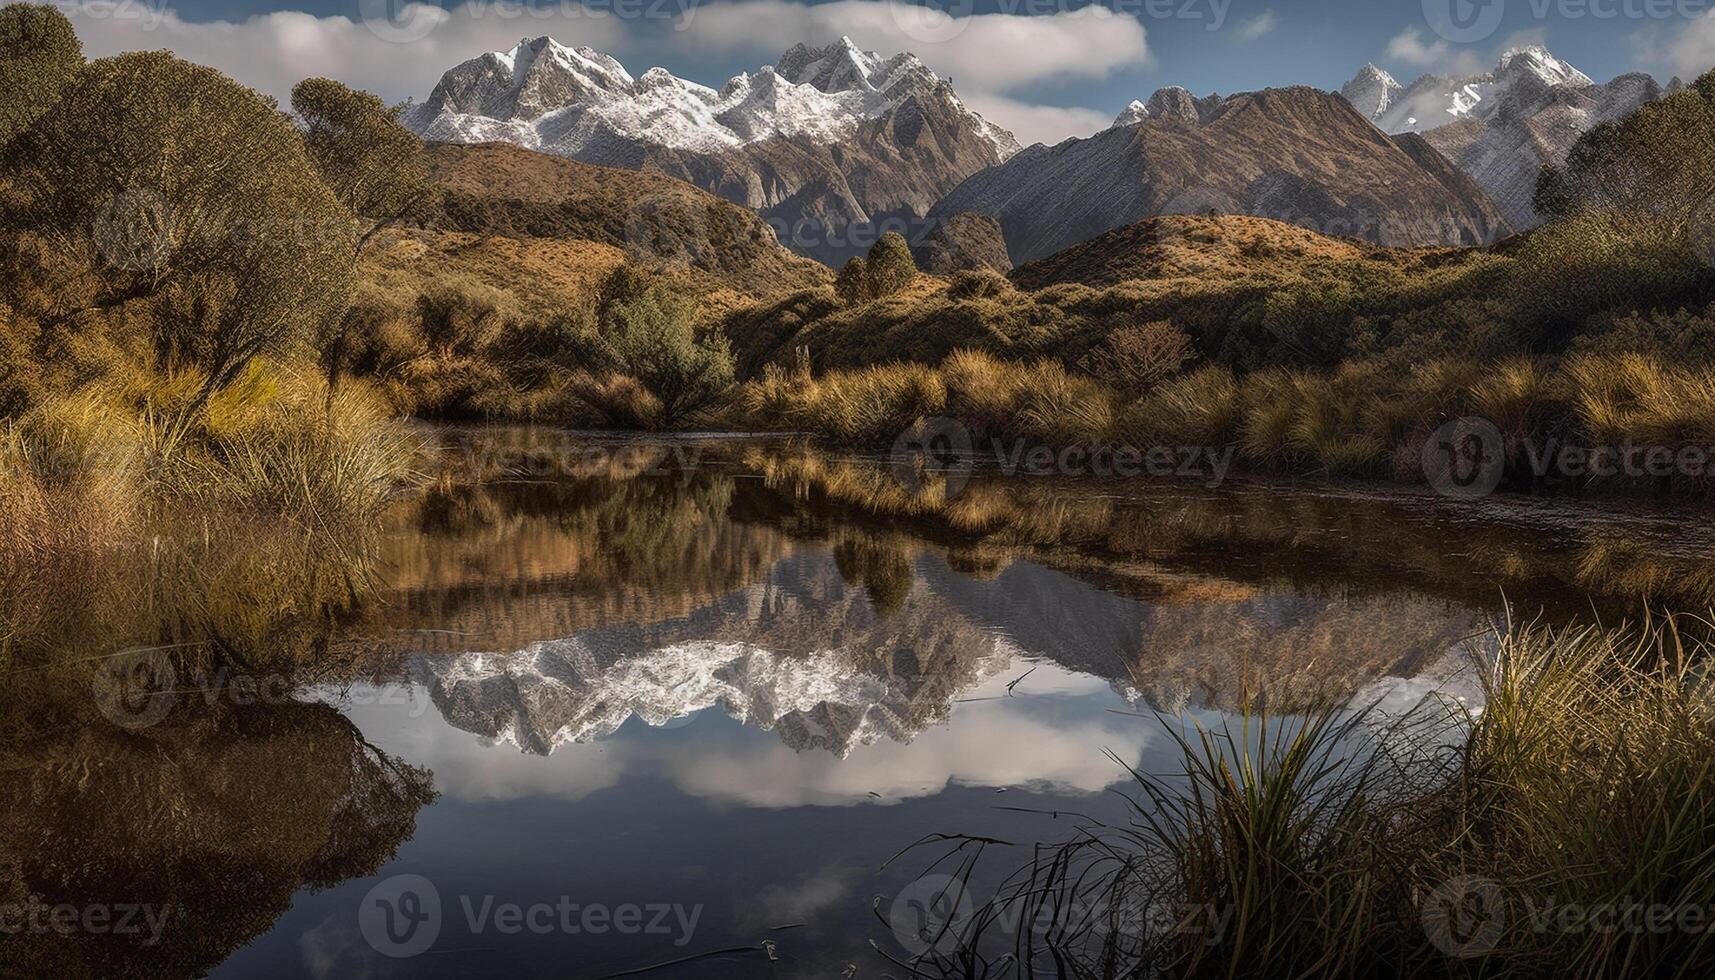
(39, 54)
(374, 165)
(1652, 172)
(891, 267)
(649, 332)
(852, 284)
(1137, 358)
(190, 198)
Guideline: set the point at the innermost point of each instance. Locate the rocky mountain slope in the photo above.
(1500, 127)
(1295, 154)
(824, 139)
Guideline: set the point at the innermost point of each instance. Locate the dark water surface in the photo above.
(595, 706)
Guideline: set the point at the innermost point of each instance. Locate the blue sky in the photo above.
(1046, 68)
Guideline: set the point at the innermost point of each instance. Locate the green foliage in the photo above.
(852, 285)
(39, 54)
(185, 199)
(890, 267)
(648, 330)
(375, 166)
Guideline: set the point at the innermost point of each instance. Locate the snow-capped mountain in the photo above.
(1373, 92)
(1298, 155)
(1436, 100)
(836, 135)
(1501, 126)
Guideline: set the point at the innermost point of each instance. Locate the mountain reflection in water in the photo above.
(743, 685)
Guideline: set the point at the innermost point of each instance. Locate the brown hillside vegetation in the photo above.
(541, 275)
(1192, 245)
(1250, 292)
(497, 189)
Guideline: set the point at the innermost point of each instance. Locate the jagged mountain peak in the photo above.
(839, 67)
(588, 98)
(1500, 127)
(1372, 91)
(1135, 113)
(1173, 102)
(1541, 63)
(828, 137)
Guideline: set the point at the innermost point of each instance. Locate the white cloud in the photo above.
(1534, 37)
(1687, 52)
(1038, 123)
(1409, 46)
(273, 52)
(985, 54)
(1252, 28)
(990, 52)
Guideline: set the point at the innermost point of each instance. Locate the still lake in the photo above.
(607, 704)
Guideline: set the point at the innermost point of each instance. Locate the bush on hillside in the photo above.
(1135, 359)
(244, 252)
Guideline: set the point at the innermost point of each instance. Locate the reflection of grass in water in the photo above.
(1332, 845)
(1292, 537)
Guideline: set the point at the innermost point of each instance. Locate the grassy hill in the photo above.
(547, 230)
(1249, 291)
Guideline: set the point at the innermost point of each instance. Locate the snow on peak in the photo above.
(1436, 100)
(544, 95)
(1135, 113)
(1537, 60)
(1372, 91)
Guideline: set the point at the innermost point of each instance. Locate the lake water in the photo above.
(596, 706)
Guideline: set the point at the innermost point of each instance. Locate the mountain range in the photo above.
(1501, 126)
(820, 141)
(830, 142)
(1297, 154)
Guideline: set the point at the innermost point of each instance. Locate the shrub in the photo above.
(651, 335)
(242, 252)
(978, 284)
(1137, 358)
(852, 284)
(890, 267)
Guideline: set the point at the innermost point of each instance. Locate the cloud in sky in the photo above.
(991, 57)
(982, 52)
(1409, 47)
(1686, 51)
(1252, 28)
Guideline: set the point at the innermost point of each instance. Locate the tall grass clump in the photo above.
(1561, 828)
(1039, 401)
